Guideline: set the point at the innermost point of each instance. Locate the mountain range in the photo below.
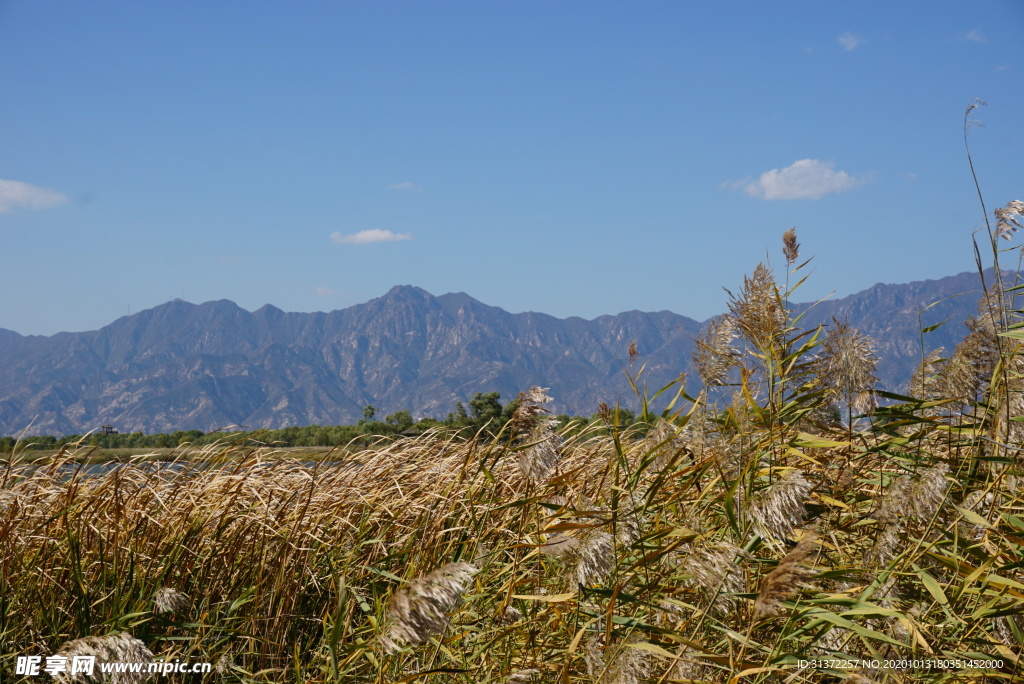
(182, 366)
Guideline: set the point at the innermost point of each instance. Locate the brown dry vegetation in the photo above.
(726, 538)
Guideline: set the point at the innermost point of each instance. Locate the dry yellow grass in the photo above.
(659, 553)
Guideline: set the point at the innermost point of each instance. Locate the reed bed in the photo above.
(781, 526)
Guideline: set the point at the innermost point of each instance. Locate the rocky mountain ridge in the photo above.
(184, 366)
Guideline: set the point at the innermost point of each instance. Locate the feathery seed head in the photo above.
(790, 247)
(914, 496)
(531, 405)
(8, 500)
(714, 353)
(780, 507)
(786, 580)
(595, 558)
(889, 539)
(422, 608)
(509, 616)
(619, 664)
(106, 649)
(967, 371)
(1008, 219)
(224, 664)
(924, 383)
(758, 309)
(167, 600)
(849, 363)
(714, 572)
(559, 544)
(538, 461)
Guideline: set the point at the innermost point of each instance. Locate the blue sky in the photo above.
(574, 158)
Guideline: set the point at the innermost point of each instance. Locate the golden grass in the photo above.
(291, 568)
(722, 540)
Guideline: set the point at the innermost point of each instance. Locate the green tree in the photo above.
(400, 420)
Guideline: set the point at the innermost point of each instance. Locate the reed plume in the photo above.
(967, 372)
(780, 507)
(925, 383)
(168, 600)
(595, 558)
(758, 310)
(713, 571)
(849, 362)
(714, 353)
(120, 648)
(790, 247)
(538, 460)
(620, 665)
(914, 496)
(909, 498)
(422, 609)
(787, 579)
(1008, 219)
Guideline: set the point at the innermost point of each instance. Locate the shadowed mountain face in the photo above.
(182, 366)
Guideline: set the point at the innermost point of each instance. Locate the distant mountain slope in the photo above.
(181, 365)
(186, 366)
(893, 315)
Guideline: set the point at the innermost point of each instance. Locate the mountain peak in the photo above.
(188, 366)
(405, 290)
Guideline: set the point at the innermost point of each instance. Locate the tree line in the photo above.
(484, 414)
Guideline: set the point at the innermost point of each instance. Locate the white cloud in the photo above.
(405, 187)
(850, 41)
(803, 179)
(974, 36)
(365, 237)
(18, 195)
(323, 291)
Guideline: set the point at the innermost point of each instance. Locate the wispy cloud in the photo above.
(850, 41)
(803, 179)
(365, 237)
(974, 36)
(324, 291)
(18, 195)
(405, 187)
